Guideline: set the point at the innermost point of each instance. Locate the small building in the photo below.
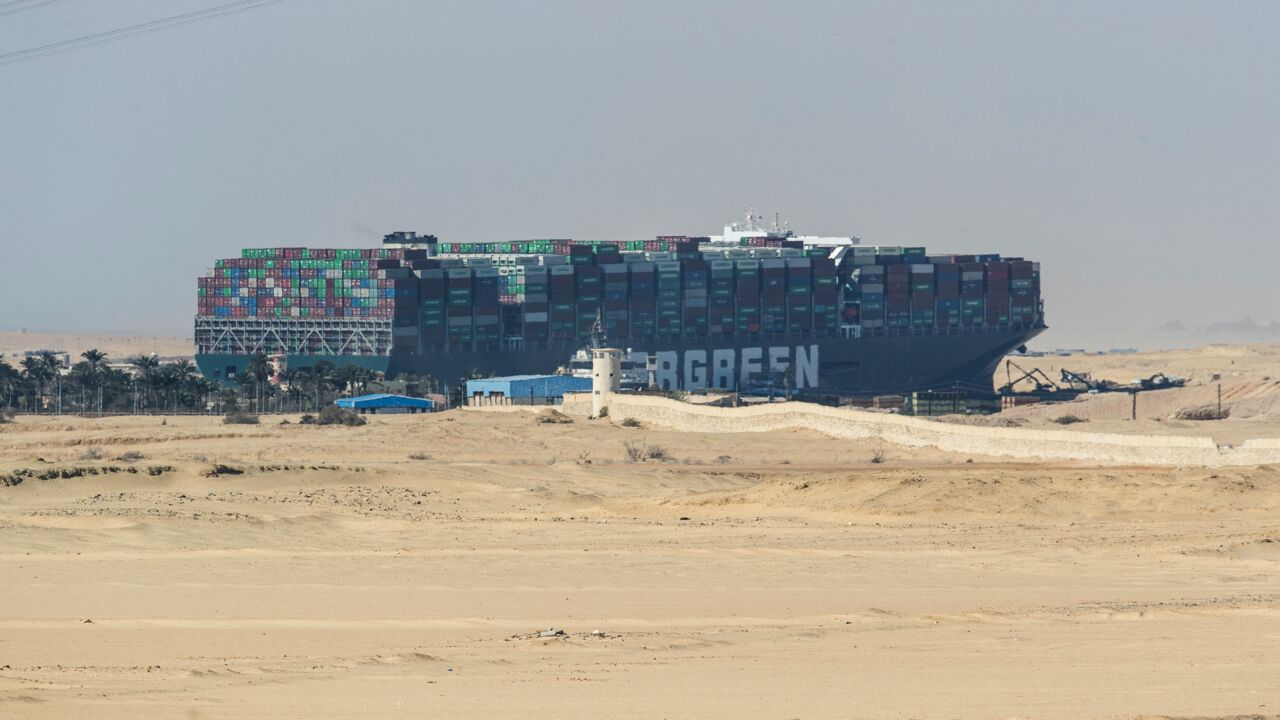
(385, 403)
(524, 389)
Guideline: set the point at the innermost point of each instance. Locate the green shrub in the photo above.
(240, 417)
(334, 415)
(1069, 420)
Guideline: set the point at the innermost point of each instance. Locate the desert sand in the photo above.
(405, 570)
(1248, 376)
(118, 348)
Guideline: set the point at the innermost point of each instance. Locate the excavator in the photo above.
(1159, 381)
(1073, 383)
(1084, 382)
(1043, 384)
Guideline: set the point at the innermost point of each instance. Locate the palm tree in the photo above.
(191, 388)
(145, 367)
(292, 379)
(201, 388)
(95, 362)
(38, 374)
(171, 380)
(322, 379)
(10, 381)
(258, 371)
(96, 358)
(53, 367)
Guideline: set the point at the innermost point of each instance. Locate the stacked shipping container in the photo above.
(554, 291)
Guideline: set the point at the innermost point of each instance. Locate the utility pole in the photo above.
(1133, 413)
(1219, 401)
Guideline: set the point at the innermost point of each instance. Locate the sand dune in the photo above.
(762, 577)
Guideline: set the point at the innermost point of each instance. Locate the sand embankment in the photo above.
(1021, 443)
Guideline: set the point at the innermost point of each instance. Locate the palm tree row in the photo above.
(301, 389)
(41, 384)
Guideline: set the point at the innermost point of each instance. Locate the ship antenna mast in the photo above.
(597, 333)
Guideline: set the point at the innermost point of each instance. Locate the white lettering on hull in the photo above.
(665, 375)
(733, 368)
(695, 369)
(722, 364)
(807, 366)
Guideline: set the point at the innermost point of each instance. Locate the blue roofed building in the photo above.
(384, 403)
(524, 389)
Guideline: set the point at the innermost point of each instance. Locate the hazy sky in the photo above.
(1133, 148)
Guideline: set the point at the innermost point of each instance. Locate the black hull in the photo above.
(880, 364)
(877, 364)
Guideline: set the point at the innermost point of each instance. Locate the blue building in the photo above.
(384, 403)
(524, 389)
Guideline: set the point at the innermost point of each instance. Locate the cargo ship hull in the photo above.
(888, 363)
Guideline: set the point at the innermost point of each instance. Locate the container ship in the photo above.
(751, 306)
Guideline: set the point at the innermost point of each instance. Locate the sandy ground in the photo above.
(1200, 365)
(787, 577)
(1248, 376)
(117, 347)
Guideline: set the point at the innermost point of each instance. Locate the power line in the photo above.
(5, 8)
(146, 28)
(4, 5)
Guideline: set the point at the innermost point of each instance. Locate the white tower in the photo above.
(606, 377)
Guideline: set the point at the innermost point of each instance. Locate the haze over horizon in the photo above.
(1131, 148)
